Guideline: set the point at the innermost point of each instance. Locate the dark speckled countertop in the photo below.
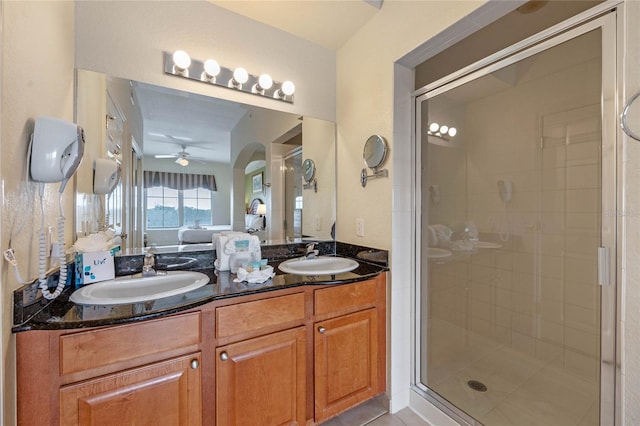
(64, 314)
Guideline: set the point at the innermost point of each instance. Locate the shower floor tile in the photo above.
(521, 390)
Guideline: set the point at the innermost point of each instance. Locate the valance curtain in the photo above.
(179, 181)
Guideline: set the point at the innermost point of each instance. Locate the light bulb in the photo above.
(181, 59)
(444, 130)
(433, 127)
(452, 131)
(288, 88)
(211, 68)
(265, 81)
(182, 161)
(240, 75)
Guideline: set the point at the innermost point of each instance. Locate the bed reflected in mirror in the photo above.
(193, 166)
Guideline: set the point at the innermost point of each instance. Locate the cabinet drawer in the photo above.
(347, 296)
(97, 348)
(259, 314)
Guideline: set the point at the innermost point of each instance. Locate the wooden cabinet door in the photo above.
(346, 362)
(262, 381)
(163, 393)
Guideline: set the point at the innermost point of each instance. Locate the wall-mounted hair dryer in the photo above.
(55, 153)
(505, 190)
(57, 147)
(106, 175)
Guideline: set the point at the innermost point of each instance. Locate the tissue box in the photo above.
(94, 267)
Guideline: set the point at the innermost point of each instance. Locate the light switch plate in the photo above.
(360, 227)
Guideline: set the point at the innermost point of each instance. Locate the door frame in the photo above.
(609, 17)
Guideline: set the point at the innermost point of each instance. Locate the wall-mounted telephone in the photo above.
(106, 175)
(55, 153)
(505, 190)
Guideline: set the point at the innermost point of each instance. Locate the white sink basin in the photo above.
(133, 290)
(437, 253)
(321, 265)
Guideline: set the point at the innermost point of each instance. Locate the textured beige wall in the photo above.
(126, 39)
(365, 106)
(37, 79)
(630, 311)
(318, 144)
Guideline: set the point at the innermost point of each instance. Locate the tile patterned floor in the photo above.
(374, 413)
(404, 417)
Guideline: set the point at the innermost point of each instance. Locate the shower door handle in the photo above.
(604, 266)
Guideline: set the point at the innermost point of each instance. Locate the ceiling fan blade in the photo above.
(165, 156)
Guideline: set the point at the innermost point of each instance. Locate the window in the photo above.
(172, 208)
(177, 199)
(196, 206)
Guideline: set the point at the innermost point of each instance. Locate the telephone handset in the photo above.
(55, 152)
(106, 175)
(505, 190)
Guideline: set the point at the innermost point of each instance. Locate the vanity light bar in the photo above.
(180, 64)
(442, 131)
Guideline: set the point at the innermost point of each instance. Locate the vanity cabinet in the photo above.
(166, 392)
(348, 348)
(296, 356)
(146, 372)
(262, 380)
(346, 356)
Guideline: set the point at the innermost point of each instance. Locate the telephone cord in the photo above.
(42, 276)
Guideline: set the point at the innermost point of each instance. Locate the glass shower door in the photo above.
(514, 178)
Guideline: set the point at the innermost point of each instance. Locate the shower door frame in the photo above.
(608, 18)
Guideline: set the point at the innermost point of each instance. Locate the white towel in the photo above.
(225, 246)
(254, 277)
(222, 259)
(432, 237)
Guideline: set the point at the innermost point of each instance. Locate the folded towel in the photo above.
(254, 243)
(432, 237)
(225, 246)
(443, 233)
(255, 277)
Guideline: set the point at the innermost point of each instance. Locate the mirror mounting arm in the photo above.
(311, 185)
(376, 174)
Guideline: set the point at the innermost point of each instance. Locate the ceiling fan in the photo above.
(181, 157)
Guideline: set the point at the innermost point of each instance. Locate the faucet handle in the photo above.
(311, 251)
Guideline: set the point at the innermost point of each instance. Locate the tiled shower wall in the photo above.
(541, 131)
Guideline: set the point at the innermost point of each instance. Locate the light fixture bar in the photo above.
(441, 131)
(195, 70)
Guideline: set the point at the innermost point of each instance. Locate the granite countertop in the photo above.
(64, 314)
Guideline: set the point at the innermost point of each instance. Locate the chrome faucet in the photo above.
(311, 251)
(149, 266)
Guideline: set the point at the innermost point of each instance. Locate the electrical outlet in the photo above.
(360, 227)
(56, 250)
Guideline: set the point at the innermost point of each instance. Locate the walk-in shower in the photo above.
(516, 249)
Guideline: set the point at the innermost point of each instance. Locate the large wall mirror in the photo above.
(193, 165)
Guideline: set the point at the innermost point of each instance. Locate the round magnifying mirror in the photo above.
(375, 151)
(308, 170)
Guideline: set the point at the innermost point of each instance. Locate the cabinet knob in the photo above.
(195, 364)
(224, 356)
(321, 330)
